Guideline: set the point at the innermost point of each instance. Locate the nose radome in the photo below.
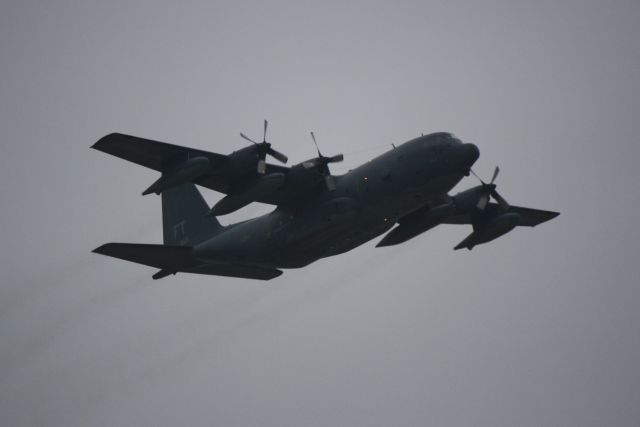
(471, 152)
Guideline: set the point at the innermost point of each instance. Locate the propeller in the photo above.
(264, 148)
(322, 162)
(490, 190)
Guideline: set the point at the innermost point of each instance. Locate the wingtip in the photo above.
(550, 215)
(277, 274)
(96, 145)
(102, 249)
(104, 140)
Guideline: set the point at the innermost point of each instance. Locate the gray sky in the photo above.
(540, 327)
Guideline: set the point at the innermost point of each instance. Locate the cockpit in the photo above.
(440, 138)
(445, 147)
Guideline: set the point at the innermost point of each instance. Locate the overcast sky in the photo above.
(538, 328)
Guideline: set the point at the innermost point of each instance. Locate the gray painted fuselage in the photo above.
(366, 203)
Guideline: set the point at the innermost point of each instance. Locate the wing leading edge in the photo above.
(149, 153)
(224, 175)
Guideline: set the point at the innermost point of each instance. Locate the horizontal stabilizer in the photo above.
(164, 257)
(173, 259)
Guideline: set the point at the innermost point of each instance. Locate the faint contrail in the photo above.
(61, 275)
(329, 286)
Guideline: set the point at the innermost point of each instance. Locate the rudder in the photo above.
(185, 219)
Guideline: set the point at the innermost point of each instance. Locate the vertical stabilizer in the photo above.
(185, 219)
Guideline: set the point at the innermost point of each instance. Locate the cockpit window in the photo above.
(441, 135)
(440, 140)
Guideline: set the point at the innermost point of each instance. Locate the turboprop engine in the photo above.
(489, 221)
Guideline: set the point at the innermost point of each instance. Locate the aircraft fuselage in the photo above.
(366, 202)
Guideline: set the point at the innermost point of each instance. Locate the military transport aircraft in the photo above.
(317, 214)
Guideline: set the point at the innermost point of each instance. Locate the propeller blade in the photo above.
(277, 155)
(495, 174)
(315, 143)
(501, 201)
(331, 183)
(337, 158)
(263, 148)
(482, 202)
(264, 134)
(247, 138)
(490, 190)
(476, 175)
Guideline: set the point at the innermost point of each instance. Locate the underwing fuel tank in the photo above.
(184, 172)
(492, 229)
(417, 223)
(265, 185)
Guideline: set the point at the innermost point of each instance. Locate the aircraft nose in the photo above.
(471, 153)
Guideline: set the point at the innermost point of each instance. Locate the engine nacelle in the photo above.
(184, 172)
(490, 229)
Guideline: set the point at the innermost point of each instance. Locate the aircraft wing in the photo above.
(162, 156)
(528, 217)
(149, 153)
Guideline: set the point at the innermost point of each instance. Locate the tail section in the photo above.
(185, 219)
(171, 258)
(174, 259)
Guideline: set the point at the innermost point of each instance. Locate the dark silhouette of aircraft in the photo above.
(317, 215)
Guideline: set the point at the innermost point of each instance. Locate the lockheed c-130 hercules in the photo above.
(317, 214)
